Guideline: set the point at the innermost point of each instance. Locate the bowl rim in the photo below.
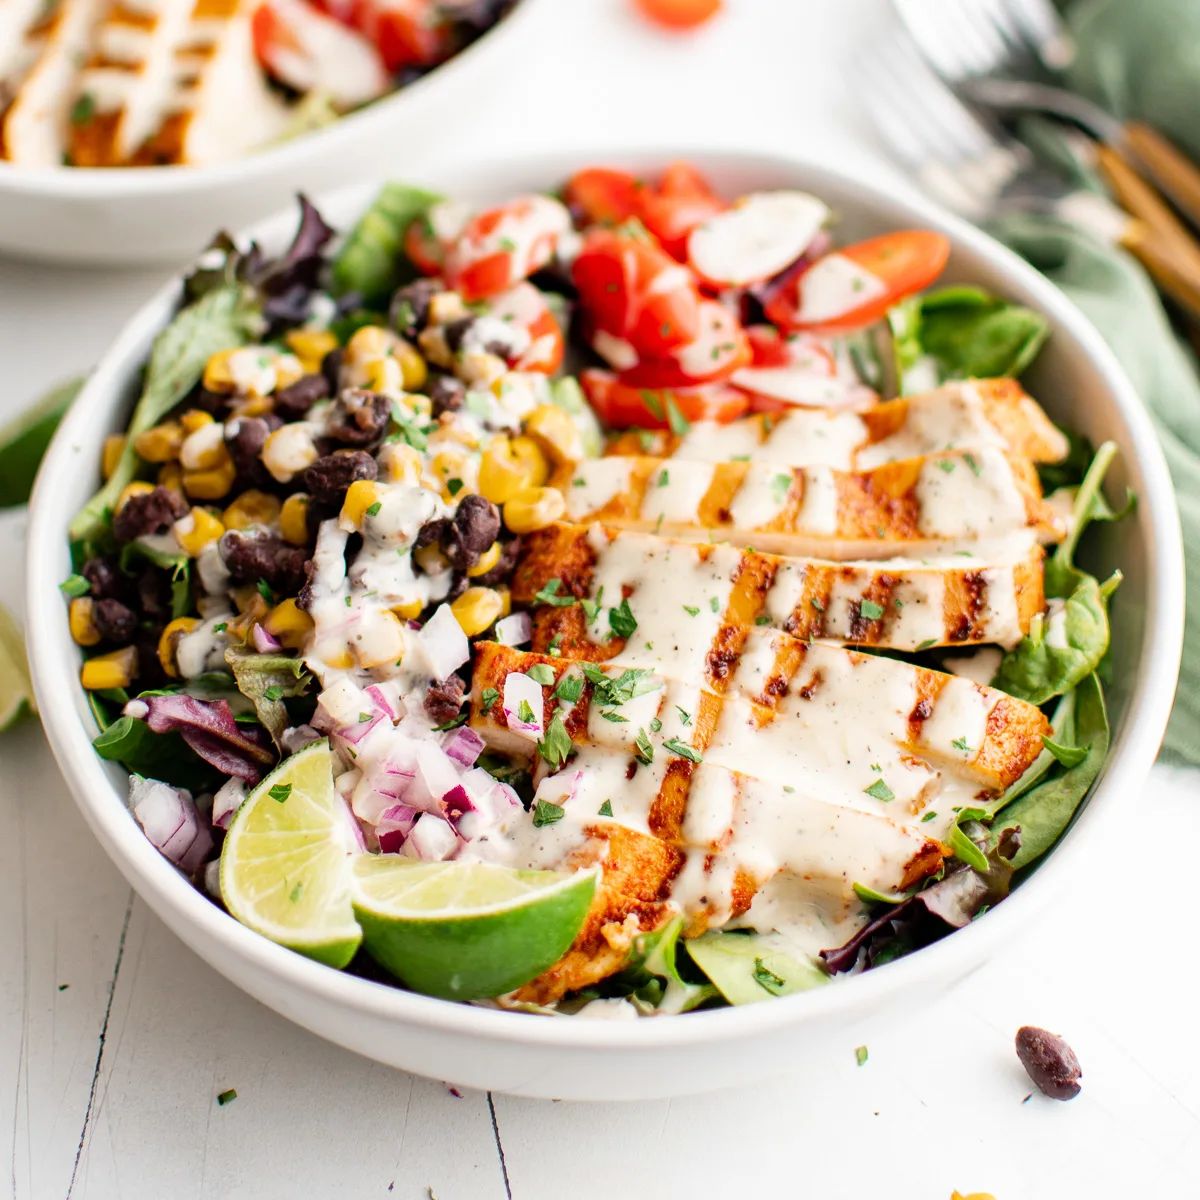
(370, 122)
(55, 675)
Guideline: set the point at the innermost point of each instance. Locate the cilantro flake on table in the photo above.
(223, 1098)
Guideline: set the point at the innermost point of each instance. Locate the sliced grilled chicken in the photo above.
(958, 416)
(23, 28)
(907, 508)
(33, 128)
(990, 595)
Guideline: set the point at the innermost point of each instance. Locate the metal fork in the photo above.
(982, 173)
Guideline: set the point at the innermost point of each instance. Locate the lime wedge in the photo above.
(285, 865)
(24, 439)
(16, 692)
(466, 931)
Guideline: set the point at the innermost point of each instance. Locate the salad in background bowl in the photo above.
(546, 603)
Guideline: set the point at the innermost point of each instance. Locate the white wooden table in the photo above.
(115, 1040)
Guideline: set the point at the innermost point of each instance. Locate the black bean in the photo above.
(329, 478)
(244, 439)
(154, 594)
(432, 532)
(1049, 1061)
(455, 331)
(151, 512)
(409, 313)
(505, 565)
(331, 368)
(254, 554)
(215, 403)
(447, 394)
(150, 673)
(478, 522)
(294, 401)
(444, 699)
(115, 622)
(106, 581)
(359, 417)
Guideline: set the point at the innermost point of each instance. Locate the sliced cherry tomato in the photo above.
(602, 196)
(504, 245)
(525, 306)
(679, 14)
(672, 210)
(299, 45)
(767, 346)
(799, 370)
(719, 348)
(856, 286)
(632, 290)
(407, 33)
(428, 238)
(620, 405)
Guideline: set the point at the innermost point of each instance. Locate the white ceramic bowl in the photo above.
(127, 216)
(1080, 384)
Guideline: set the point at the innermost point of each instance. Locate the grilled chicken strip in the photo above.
(988, 595)
(963, 415)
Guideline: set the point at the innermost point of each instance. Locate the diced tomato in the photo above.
(633, 290)
(602, 195)
(504, 245)
(719, 348)
(679, 14)
(799, 370)
(526, 306)
(428, 238)
(672, 210)
(407, 33)
(767, 346)
(855, 286)
(299, 45)
(621, 405)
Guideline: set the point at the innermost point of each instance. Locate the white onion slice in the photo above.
(514, 630)
(444, 643)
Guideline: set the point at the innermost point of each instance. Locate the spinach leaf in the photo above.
(264, 679)
(747, 968)
(220, 319)
(371, 259)
(1044, 811)
(973, 334)
(164, 756)
(652, 976)
(23, 441)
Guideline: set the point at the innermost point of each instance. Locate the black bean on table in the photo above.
(444, 699)
(1049, 1062)
(115, 622)
(294, 401)
(253, 554)
(151, 512)
(447, 394)
(329, 478)
(359, 417)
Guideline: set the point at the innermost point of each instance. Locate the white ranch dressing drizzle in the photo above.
(956, 501)
(833, 286)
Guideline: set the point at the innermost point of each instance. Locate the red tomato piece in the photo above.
(719, 348)
(621, 406)
(681, 201)
(525, 306)
(504, 245)
(407, 33)
(602, 195)
(428, 238)
(854, 287)
(633, 290)
(679, 14)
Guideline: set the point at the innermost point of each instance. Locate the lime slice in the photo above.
(16, 692)
(466, 931)
(24, 439)
(285, 865)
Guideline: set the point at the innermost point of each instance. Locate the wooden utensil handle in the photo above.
(1159, 255)
(1170, 168)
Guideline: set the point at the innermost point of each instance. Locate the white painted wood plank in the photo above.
(309, 1119)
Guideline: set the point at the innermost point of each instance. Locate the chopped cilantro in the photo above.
(870, 611)
(645, 751)
(488, 696)
(615, 717)
(274, 692)
(570, 688)
(296, 892)
(652, 402)
(280, 792)
(606, 809)
(453, 486)
(621, 620)
(645, 440)
(880, 791)
(928, 816)
(591, 608)
(767, 979)
(739, 458)
(221, 627)
(781, 484)
(947, 465)
(373, 511)
(817, 604)
(453, 723)
(551, 594)
(264, 590)
(762, 620)
(683, 750)
(610, 692)
(685, 717)
(927, 643)
(714, 604)
(678, 422)
(960, 744)
(555, 747)
(664, 477)
(545, 813)
(75, 585)
(541, 673)
(973, 463)
(225, 1097)
(860, 1055)
(655, 725)
(691, 612)
(83, 110)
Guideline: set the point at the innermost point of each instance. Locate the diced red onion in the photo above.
(558, 789)
(432, 840)
(345, 783)
(395, 824)
(229, 798)
(383, 703)
(212, 878)
(296, 737)
(463, 745)
(264, 642)
(443, 642)
(353, 830)
(393, 779)
(339, 704)
(457, 802)
(169, 819)
(358, 729)
(514, 630)
(518, 687)
(766, 291)
(436, 775)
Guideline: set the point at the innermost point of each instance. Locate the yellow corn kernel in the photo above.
(476, 609)
(341, 661)
(137, 488)
(252, 507)
(369, 342)
(293, 519)
(527, 451)
(382, 375)
(160, 444)
(116, 669)
(248, 599)
(508, 467)
(445, 307)
(430, 559)
(197, 418)
(211, 484)
(82, 620)
(289, 623)
(169, 640)
(198, 530)
(480, 367)
(385, 643)
(505, 600)
(448, 465)
(289, 450)
(421, 406)
(114, 447)
(253, 406)
(412, 365)
(204, 449)
(533, 509)
(399, 463)
(252, 614)
(487, 560)
(310, 346)
(288, 369)
(410, 611)
(361, 495)
(555, 433)
(170, 475)
(218, 373)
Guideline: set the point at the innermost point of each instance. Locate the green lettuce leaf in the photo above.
(651, 976)
(265, 679)
(164, 756)
(973, 334)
